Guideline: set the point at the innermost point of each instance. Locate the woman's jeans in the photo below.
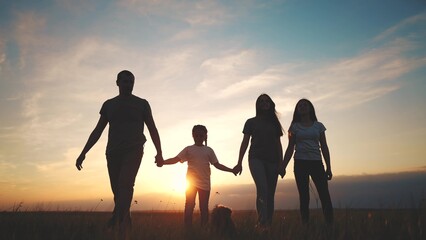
(314, 168)
(122, 170)
(203, 197)
(265, 176)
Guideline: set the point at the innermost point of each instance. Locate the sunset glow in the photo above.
(363, 65)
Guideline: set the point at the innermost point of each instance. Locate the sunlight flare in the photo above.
(181, 186)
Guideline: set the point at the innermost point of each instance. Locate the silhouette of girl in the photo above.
(199, 158)
(264, 157)
(307, 138)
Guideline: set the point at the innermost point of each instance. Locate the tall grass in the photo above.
(349, 224)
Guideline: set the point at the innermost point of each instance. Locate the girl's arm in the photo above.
(326, 155)
(224, 168)
(280, 147)
(244, 144)
(288, 154)
(171, 161)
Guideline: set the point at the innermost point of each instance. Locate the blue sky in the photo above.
(362, 63)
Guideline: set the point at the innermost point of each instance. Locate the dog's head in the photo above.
(221, 221)
(221, 212)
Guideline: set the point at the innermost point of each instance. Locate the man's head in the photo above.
(125, 82)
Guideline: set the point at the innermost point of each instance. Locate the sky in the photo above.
(361, 63)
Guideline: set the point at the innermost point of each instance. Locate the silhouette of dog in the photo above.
(221, 221)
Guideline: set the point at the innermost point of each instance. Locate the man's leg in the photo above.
(114, 169)
(130, 163)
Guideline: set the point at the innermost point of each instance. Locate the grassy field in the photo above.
(349, 224)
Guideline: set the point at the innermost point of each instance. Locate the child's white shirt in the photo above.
(199, 159)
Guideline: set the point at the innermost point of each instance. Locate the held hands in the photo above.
(159, 160)
(237, 169)
(234, 171)
(281, 169)
(79, 161)
(329, 174)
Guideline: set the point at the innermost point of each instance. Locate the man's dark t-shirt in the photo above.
(126, 117)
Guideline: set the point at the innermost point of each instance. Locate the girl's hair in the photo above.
(312, 115)
(200, 128)
(271, 113)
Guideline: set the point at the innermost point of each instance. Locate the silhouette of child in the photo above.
(199, 158)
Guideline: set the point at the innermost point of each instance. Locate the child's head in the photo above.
(199, 133)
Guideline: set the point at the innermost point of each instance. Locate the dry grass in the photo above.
(349, 224)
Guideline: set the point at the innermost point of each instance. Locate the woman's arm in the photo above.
(326, 154)
(244, 144)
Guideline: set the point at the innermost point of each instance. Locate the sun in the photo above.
(180, 186)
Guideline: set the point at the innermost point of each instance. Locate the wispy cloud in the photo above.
(224, 71)
(199, 13)
(6, 165)
(2, 53)
(348, 82)
(28, 30)
(419, 19)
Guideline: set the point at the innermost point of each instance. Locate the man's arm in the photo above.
(153, 132)
(93, 138)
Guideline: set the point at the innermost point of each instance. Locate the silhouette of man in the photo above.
(126, 115)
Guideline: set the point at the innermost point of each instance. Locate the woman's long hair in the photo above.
(312, 115)
(271, 113)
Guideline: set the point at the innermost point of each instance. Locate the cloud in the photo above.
(78, 6)
(2, 53)
(228, 70)
(6, 165)
(199, 13)
(28, 33)
(390, 190)
(419, 19)
(343, 83)
(404, 189)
